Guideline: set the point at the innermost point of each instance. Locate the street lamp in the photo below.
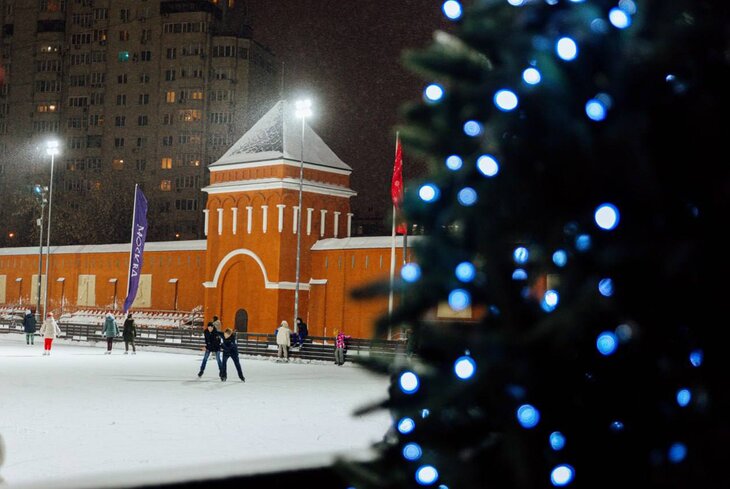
(52, 149)
(40, 193)
(304, 110)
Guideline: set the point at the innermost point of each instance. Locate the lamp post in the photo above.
(40, 193)
(304, 110)
(52, 149)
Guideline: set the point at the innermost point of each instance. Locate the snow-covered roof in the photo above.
(362, 242)
(192, 245)
(278, 135)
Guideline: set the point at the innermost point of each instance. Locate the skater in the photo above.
(303, 331)
(29, 325)
(49, 330)
(217, 324)
(110, 330)
(212, 345)
(230, 350)
(283, 340)
(129, 333)
(340, 347)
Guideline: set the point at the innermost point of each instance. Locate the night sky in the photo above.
(346, 57)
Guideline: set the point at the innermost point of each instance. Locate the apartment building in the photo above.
(136, 91)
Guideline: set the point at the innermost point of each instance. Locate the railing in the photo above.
(261, 344)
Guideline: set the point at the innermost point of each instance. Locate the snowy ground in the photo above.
(79, 412)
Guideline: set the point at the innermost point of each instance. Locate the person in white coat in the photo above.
(49, 330)
(283, 340)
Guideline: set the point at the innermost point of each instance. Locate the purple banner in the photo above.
(139, 234)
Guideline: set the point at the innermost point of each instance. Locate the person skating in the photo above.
(340, 347)
(110, 330)
(49, 330)
(129, 333)
(230, 350)
(212, 345)
(29, 326)
(283, 340)
(303, 331)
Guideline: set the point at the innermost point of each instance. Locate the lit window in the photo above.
(166, 164)
(170, 97)
(118, 164)
(166, 185)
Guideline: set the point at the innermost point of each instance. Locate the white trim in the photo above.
(212, 284)
(205, 213)
(235, 219)
(323, 222)
(349, 224)
(192, 245)
(296, 219)
(281, 208)
(265, 223)
(220, 221)
(279, 161)
(309, 220)
(280, 184)
(370, 242)
(249, 218)
(337, 222)
(317, 281)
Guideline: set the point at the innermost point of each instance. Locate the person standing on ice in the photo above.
(29, 327)
(129, 333)
(283, 340)
(110, 330)
(340, 347)
(230, 350)
(49, 330)
(212, 345)
(301, 328)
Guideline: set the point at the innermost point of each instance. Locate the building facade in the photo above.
(147, 92)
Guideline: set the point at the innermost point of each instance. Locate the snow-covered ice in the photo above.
(79, 412)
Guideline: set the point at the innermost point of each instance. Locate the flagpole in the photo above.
(392, 274)
(131, 242)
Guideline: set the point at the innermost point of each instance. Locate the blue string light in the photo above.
(459, 299)
(454, 163)
(562, 475)
(607, 343)
(488, 165)
(472, 128)
(452, 9)
(467, 196)
(560, 258)
(619, 18)
(427, 475)
(519, 274)
(433, 93)
(605, 287)
(696, 357)
(521, 255)
(616, 426)
(595, 110)
(677, 452)
(410, 272)
(465, 271)
(628, 6)
(464, 367)
(684, 396)
(516, 3)
(528, 416)
(550, 301)
(406, 425)
(624, 332)
(425, 413)
(429, 192)
(607, 216)
(599, 26)
(531, 76)
(409, 382)
(506, 100)
(412, 451)
(583, 242)
(566, 48)
(557, 441)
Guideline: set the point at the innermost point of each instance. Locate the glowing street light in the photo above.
(303, 110)
(52, 149)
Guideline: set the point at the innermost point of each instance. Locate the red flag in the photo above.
(396, 187)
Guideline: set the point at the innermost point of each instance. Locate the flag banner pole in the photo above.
(392, 274)
(136, 252)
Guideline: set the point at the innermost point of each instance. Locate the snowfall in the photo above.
(80, 418)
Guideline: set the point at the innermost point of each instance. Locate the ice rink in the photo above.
(79, 412)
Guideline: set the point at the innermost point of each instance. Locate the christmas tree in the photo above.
(575, 204)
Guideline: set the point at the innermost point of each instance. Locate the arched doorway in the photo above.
(242, 321)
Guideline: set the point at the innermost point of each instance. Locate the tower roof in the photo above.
(278, 135)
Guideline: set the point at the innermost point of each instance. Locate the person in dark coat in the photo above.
(129, 333)
(29, 325)
(212, 345)
(302, 330)
(230, 350)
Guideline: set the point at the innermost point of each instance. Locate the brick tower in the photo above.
(251, 220)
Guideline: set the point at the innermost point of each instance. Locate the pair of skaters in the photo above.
(215, 341)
